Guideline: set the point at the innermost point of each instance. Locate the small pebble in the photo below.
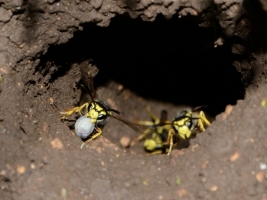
(125, 141)
(263, 166)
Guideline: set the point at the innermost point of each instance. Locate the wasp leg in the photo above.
(139, 138)
(151, 115)
(98, 133)
(145, 123)
(170, 140)
(202, 121)
(74, 110)
(155, 119)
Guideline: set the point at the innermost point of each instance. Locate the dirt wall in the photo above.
(221, 41)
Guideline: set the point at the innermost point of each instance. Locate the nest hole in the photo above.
(169, 61)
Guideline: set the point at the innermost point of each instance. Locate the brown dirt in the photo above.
(166, 64)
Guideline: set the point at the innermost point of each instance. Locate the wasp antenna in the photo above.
(199, 107)
(115, 111)
(85, 88)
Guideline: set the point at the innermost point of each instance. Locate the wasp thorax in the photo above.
(84, 127)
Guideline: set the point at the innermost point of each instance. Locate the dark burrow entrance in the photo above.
(170, 61)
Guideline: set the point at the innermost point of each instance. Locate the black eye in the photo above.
(189, 124)
(100, 117)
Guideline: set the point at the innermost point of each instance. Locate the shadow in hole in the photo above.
(168, 60)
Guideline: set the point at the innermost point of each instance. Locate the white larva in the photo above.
(84, 127)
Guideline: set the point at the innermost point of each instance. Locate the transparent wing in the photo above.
(142, 129)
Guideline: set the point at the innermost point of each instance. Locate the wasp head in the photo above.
(97, 112)
(183, 126)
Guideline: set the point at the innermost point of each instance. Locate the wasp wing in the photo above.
(142, 129)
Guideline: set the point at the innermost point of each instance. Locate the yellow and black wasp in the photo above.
(163, 134)
(186, 125)
(94, 115)
(93, 118)
(156, 134)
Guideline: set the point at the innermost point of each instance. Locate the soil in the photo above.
(163, 54)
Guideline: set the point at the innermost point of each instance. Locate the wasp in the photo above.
(164, 134)
(186, 125)
(156, 134)
(94, 115)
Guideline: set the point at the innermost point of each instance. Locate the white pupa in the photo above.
(84, 127)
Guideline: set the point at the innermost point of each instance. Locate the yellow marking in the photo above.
(74, 110)
(182, 128)
(99, 132)
(153, 140)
